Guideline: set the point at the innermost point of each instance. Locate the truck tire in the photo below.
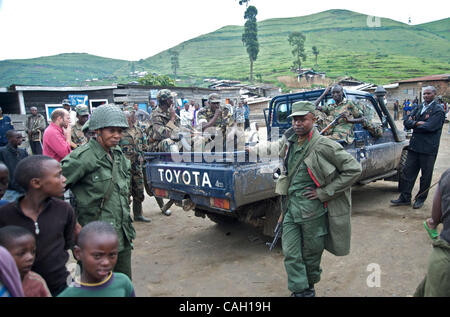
(221, 219)
(401, 166)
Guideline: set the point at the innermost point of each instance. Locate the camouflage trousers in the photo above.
(374, 129)
(137, 184)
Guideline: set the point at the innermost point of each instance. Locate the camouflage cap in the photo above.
(82, 110)
(302, 108)
(66, 102)
(164, 94)
(214, 98)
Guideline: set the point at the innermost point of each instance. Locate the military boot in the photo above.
(310, 291)
(137, 212)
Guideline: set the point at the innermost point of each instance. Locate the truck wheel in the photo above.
(221, 219)
(401, 166)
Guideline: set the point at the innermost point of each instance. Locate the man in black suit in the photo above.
(426, 121)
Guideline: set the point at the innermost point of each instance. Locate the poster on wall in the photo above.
(78, 100)
(49, 109)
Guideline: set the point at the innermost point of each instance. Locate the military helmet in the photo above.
(164, 94)
(108, 115)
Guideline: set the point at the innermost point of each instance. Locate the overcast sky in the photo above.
(135, 29)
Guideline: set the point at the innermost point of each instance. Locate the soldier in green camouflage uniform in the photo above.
(98, 174)
(132, 143)
(163, 134)
(215, 115)
(78, 137)
(163, 128)
(353, 113)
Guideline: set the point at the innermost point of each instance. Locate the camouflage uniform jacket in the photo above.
(223, 122)
(36, 125)
(78, 136)
(344, 130)
(132, 144)
(158, 129)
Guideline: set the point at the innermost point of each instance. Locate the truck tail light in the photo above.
(161, 192)
(220, 203)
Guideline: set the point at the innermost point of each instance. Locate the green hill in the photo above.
(347, 45)
(61, 70)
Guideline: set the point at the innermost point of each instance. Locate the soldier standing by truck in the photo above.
(132, 146)
(316, 181)
(163, 133)
(163, 124)
(98, 174)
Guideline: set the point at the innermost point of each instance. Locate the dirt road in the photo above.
(183, 255)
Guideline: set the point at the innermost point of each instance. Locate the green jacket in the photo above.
(334, 171)
(101, 187)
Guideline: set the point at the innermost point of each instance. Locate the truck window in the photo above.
(366, 104)
(282, 113)
(369, 110)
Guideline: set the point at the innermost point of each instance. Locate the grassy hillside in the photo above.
(347, 45)
(63, 69)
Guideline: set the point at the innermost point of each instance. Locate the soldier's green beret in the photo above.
(302, 108)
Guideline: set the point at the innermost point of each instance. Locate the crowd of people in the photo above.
(75, 191)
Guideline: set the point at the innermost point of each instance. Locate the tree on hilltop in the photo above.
(250, 36)
(297, 41)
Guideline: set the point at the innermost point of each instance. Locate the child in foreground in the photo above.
(97, 250)
(50, 219)
(22, 246)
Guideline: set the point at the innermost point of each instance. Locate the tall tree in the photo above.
(175, 64)
(250, 36)
(297, 41)
(316, 52)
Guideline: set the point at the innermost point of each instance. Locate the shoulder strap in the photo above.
(110, 187)
(308, 150)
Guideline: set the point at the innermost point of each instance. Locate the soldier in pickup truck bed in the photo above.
(352, 113)
(214, 115)
(163, 129)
